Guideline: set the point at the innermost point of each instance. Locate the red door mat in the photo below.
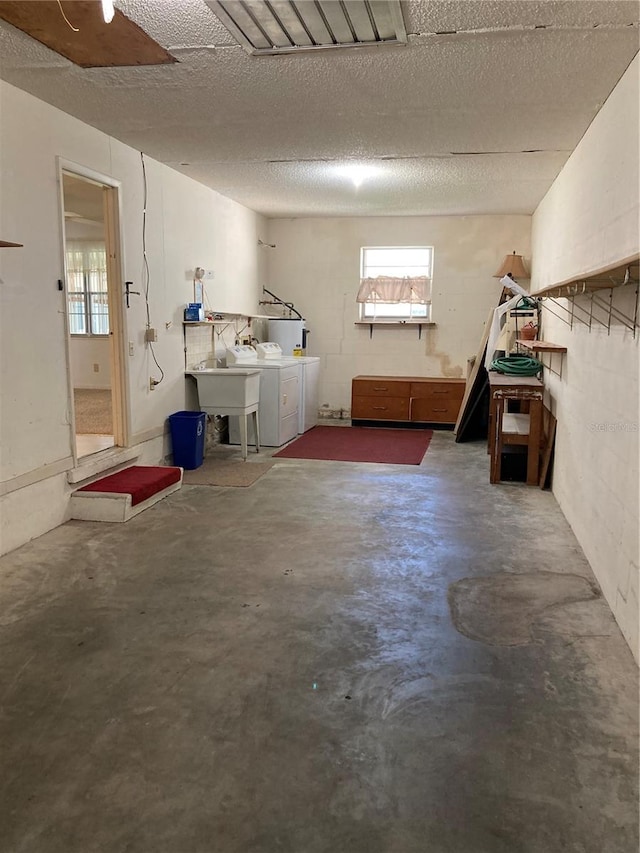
(139, 481)
(360, 444)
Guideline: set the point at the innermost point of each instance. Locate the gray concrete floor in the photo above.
(341, 658)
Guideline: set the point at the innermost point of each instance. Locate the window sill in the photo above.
(402, 323)
(424, 322)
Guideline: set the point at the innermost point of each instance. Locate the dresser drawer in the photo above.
(380, 388)
(443, 391)
(437, 410)
(380, 408)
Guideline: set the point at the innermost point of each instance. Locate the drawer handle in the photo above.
(439, 410)
(382, 408)
(380, 389)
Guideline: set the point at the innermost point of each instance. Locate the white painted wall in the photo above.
(86, 353)
(187, 225)
(316, 265)
(588, 220)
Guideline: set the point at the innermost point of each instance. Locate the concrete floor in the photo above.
(341, 658)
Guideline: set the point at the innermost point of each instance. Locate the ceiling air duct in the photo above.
(268, 27)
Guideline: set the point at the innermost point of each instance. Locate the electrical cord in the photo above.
(517, 365)
(75, 29)
(146, 275)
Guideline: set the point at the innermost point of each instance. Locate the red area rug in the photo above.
(360, 444)
(139, 481)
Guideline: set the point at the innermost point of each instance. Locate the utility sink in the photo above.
(226, 388)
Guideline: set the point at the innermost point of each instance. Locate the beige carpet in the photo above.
(222, 472)
(93, 411)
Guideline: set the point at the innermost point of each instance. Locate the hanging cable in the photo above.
(75, 29)
(146, 275)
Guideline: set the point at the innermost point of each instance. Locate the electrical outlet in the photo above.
(96, 367)
(152, 383)
(150, 335)
(130, 347)
(168, 324)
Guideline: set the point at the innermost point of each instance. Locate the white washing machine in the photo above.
(279, 396)
(308, 401)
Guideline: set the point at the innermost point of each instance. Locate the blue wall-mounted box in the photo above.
(194, 311)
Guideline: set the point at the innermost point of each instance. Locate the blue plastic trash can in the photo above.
(187, 438)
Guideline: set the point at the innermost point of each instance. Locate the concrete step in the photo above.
(121, 496)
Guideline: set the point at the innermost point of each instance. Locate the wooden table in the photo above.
(501, 389)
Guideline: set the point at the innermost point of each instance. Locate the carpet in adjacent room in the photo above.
(93, 411)
(360, 444)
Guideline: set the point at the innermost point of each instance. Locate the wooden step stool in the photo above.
(121, 496)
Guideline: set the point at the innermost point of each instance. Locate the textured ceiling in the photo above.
(477, 114)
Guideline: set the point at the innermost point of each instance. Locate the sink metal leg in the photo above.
(243, 435)
(256, 430)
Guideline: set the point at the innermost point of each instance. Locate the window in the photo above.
(87, 297)
(395, 282)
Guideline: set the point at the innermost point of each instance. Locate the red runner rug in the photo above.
(360, 444)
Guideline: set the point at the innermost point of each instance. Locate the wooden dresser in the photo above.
(406, 399)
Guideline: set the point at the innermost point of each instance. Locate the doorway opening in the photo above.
(94, 315)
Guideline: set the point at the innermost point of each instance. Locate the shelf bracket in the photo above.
(573, 316)
(558, 373)
(624, 319)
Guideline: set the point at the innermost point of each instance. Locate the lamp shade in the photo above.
(512, 266)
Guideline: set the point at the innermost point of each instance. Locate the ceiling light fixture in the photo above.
(108, 11)
(357, 173)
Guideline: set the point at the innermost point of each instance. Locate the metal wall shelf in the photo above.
(239, 323)
(591, 298)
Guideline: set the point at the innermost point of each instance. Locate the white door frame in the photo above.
(115, 279)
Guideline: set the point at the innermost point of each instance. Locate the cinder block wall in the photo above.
(589, 220)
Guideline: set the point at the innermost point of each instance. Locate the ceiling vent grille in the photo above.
(267, 27)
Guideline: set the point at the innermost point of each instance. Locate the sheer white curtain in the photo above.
(87, 287)
(393, 289)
